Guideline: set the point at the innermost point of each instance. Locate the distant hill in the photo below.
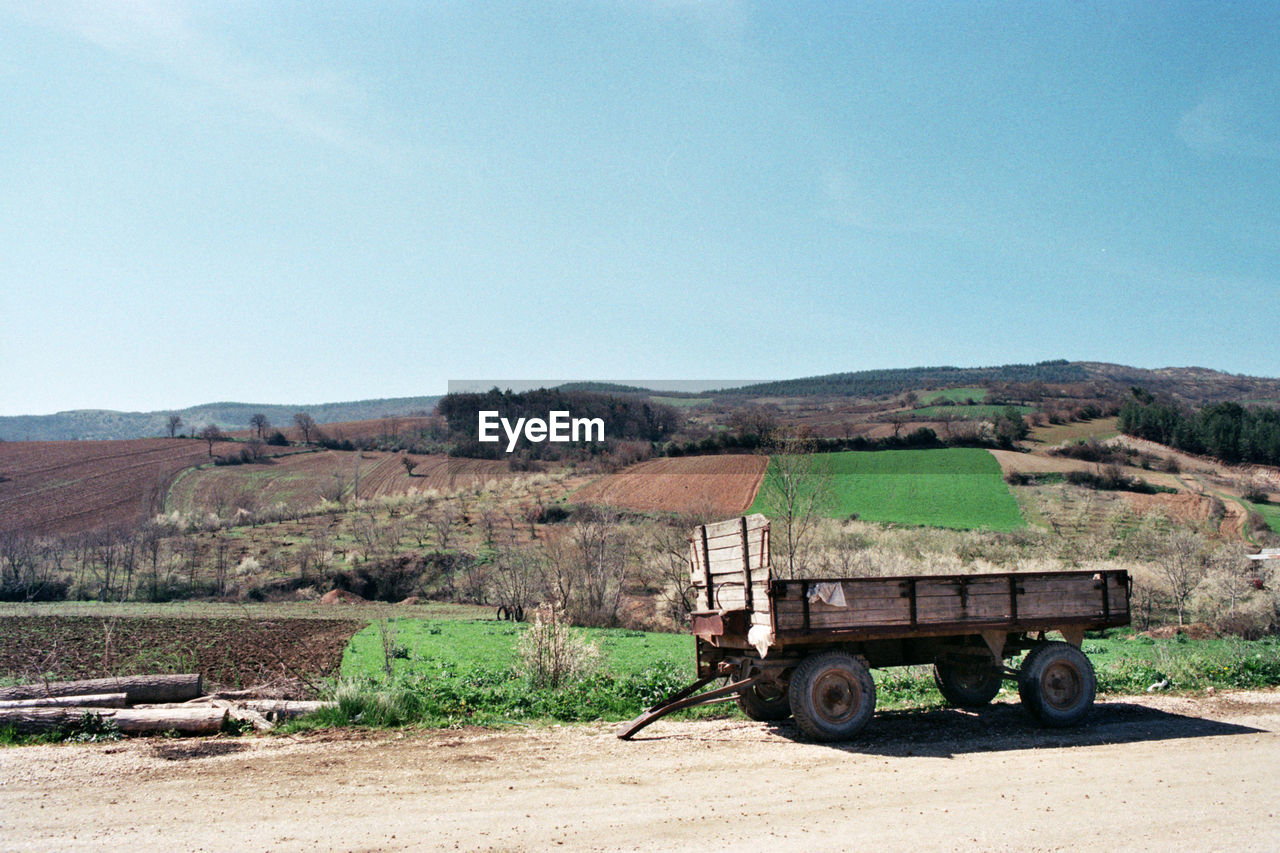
(89, 424)
(1192, 385)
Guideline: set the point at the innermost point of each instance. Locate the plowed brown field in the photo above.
(74, 486)
(721, 485)
(231, 652)
(305, 479)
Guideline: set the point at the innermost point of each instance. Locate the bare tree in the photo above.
(797, 492)
(443, 518)
(174, 423)
(260, 423)
(588, 568)
(514, 578)
(1182, 563)
(407, 461)
(211, 433)
(306, 425)
(257, 448)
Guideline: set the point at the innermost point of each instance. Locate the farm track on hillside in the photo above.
(62, 487)
(720, 485)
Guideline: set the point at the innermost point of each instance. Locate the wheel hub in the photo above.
(1061, 685)
(838, 697)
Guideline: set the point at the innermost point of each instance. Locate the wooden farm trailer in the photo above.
(805, 648)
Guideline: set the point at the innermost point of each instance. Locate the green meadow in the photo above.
(956, 487)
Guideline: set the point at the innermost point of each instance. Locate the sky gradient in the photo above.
(277, 203)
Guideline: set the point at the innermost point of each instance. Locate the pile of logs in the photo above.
(141, 704)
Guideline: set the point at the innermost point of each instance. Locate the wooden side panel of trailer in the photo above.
(904, 604)
(729, 567)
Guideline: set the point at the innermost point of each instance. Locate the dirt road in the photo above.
(1148, 773)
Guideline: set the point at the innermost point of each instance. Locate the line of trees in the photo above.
(626, 418)
(1227, 431)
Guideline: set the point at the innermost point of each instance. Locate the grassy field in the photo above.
(969, 412)
(960, 488)
(450, 672)
(681, 402)
(955, 395)
(1270, 512)
(456, 669)
(1054, 434)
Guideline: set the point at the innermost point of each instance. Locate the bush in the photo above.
(551, 655)
(278, 439)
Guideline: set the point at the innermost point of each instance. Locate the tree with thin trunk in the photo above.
(797, 492)
(260, 423)
(306, 425)
(211, 433)
(174, 423)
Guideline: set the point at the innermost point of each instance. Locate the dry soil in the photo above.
(1144, 773)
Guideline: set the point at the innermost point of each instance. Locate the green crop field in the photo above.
(956, 395)
(957, 487)
(967, 411)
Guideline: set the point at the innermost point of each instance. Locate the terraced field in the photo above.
(306, 479)
(65, 487)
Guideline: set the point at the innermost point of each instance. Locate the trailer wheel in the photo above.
(969, 687)
(832, 696)
(765, 702)
(1057, 684)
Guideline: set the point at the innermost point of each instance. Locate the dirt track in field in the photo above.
(1144, 773)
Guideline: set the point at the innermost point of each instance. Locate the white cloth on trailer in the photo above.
(828, 593)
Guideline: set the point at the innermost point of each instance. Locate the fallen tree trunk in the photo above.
(187, 721)
(137, 688)
(284, 709)
(98, 700)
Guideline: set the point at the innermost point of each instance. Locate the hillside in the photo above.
(97, 424)
(1191, 385)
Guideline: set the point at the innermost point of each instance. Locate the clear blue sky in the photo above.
(288, 202)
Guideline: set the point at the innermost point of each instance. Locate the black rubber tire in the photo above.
(517, 614)
(832, 696)
(1057, 684)
(970, 687)
(764, 707)
(503, 613)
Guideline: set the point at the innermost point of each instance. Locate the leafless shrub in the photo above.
(550, 654)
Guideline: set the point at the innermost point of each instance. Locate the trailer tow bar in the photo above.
(685, 698)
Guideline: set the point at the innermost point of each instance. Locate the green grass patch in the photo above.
(454, 672)
(968, 412)
(956, 487)
(681, 402)
(1270, 514)
(448, 673)
(955, 395)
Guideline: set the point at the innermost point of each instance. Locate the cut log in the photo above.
(284, 709)
(138, 688)
(187, 721)
(100, 700)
